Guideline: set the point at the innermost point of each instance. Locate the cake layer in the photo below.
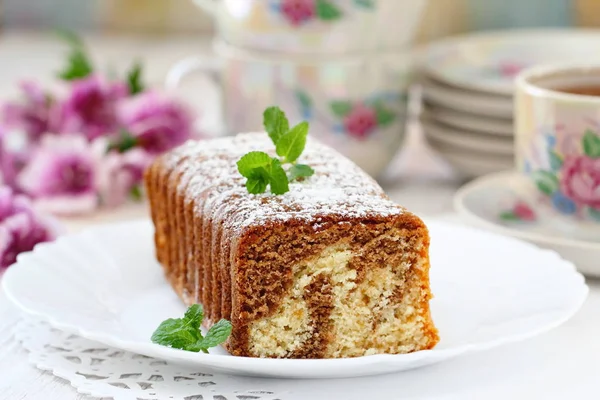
(332, 268)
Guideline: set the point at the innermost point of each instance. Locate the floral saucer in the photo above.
(494, 202)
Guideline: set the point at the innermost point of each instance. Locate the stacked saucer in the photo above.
(468, 91)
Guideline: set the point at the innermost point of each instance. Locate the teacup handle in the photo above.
(210, 6)
(209, 66)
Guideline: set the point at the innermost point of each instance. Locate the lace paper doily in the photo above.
(102, 371)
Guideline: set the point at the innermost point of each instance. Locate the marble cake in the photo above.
(332, 268)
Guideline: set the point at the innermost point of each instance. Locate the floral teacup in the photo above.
(558, 144)
(357, 105)
(316, 26)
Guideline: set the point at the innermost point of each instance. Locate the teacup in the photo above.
(357, 105)
(316, 26)
(557, 116)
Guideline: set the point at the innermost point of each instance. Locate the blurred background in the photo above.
(164, 17)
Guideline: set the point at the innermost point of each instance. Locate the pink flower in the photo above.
(36, 115)
(298, 11)
(360, 121)
(91, 107)
(510, 69)
(524, 212)
(61, 176)
(156, 122)
(21, 228)
(121, 173)
(580, 180)
(11, 161)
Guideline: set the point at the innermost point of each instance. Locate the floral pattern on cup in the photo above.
(358, 119)
(299, 12)
(520, 212)
(572, 184)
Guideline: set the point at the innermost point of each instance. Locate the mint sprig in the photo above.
(184, 333)
(262, 170)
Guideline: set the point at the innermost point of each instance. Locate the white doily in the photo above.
(101, 371)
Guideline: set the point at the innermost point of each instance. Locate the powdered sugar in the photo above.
(338, 186)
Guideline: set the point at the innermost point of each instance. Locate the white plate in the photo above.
(489, 202)
(489, 61)
(105, 285)
(468, 140)
(474, 122)
(467, 101)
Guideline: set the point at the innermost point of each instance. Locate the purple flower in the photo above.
(156, 122)
(91, 107)
(62, 174)
(21, 228)
(122, 173)
(36, 115)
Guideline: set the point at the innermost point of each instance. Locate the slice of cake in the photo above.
(332, 268)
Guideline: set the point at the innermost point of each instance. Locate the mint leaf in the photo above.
(184, 333)
(252, 161)
(278, 179)
(256, 185)
(591, 144)
(78, 63)
(341, 108)
(276, 123)
(291, 145)
(176, 333)
(194, 315)
(134, 79)
(300, 171)
(546, 181)
(327, 11)
(217, 334)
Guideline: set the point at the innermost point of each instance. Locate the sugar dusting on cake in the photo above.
(338, 187)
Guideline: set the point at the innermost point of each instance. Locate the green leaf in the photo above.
(276, 123)
(591, 144)
(594, 213)
(177, 333)
(278, 179)
(291, 145)
(556, 161)
(365, 3)
(341, 108)
(248, 164)
(125, 142)
(383, 115)
(327, 11)
(136, 193)
(194, 315)
(134, 79)
(300, 171)
(256, 185)
(546, 182)
(217, 334)
(508, 216)
(78, 63)
(303, 98)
